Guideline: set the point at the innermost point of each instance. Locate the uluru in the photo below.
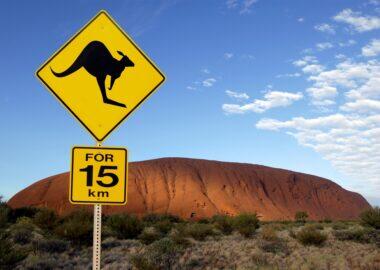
(194, 188)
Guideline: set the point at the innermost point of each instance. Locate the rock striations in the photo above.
(202, 188)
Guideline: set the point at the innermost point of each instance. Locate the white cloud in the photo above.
(313, 68)
(271, 100)
(346, 73)
(244, 6)
(248, 56)
(325, 28)
(350, 142)
(368, 90)
(323, 46)
(209, 82)
(191, 87)
(308, 59)
(321, 93)
(205, 71)
(237, 95)
(362, 106)
(228, 55)
(340, 56)
(300, 19)
(360, 23)
(231, 4)
(247, 4)
(349, 43)
(372, 49)
(349, 138)
(289, 75)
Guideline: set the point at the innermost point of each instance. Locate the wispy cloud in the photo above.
(228, 55)
(209, 82)
(325, 28)
(244, 6)
(324, 46)
(271, 100)
(289, 75)
(372, 49)
(308, 59)
(237, 95)
(300, 20)
(205, 71)
(348, 43)
(358, 22)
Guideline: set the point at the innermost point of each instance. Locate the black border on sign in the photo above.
(99, 202)
(133, 43)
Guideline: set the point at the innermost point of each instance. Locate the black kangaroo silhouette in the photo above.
(98, 61)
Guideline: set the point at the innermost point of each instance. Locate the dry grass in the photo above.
(194, 246)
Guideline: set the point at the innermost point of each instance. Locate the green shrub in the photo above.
(154, 218)
(149, 235)
(36, 262)
(4, 213)
(204, 221)
(339, 226)
(361, 235)
(164, 226)
(198, 231)
(9, 256)
(162, 254)
(275, 246)
(77, 228)
(178, 237)
(371, 217)
(325, 220)
(46, 219)
(50, 245)
(317, 226)
(311, 236)
(141, 262)
(292, 234)
(269, 233)
(125, 226)
(22, 212)
(223, 223)
(246, 224)
(22, 231)
(301, 216)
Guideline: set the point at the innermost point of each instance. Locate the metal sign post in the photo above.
(97, 233)
(97, 237)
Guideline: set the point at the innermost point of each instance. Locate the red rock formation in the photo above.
(184, 186)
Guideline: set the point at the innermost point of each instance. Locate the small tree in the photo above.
(310, 236)
(76, 227)
(301, 216)
(125, 226)
(4, 213)
(223, 223)
(371, 217)
(46, 219)
(246, 224)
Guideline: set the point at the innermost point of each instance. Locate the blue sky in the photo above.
(289, 84)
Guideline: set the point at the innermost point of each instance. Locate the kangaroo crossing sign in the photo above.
(100, 75)
(98, 175)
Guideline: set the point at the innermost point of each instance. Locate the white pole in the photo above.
(97, 234)
(97, 238)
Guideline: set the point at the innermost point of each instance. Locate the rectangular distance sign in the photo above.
(98, 175)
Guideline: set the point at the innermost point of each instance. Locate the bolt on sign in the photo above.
(100, 75)
(98, 175)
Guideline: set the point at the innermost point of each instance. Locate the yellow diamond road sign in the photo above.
(100, 75)
(98, 175)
